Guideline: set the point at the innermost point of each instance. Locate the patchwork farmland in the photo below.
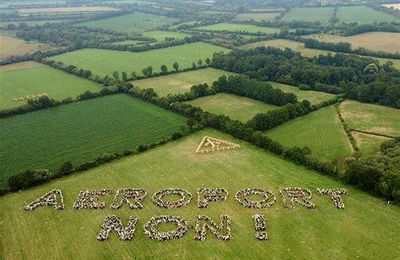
(140, 129)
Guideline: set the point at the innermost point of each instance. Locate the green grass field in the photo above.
(258, 17)
(363, 15)
(371, 118)
(236, 107)
(80, 132)
(161, 35)
(239, 28)
(366, 229)
(31, 78)
(130, 23)
(128, 42)
(298, 46)
(105, 62)
(320, 130)
(314, 97)
(368, 144)
(309, 14)
(181, 82)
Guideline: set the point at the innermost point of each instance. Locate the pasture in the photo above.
(393, 6)
(67, 9)
(388, 42)
(160, 36)
(181, 82)
(236, 107)
(131, 23)
(366, 229)
(320, 130)
(309, 14)
(14, 46)
(363, 15)
(299, 46)
(368, 144)
(80, 132)
(371, 118)
(128, 42)
(246, 28)
(31, 78)
(105, 62)
(258, 17)
(314, 97)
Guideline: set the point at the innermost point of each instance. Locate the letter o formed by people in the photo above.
(150, 227)
(158, 198)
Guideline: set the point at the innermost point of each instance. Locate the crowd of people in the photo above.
(114, 223)
(150, 227)
(48, 199)
(206, 195)
(300, 196)
(260, 226)
(335, 195)
(88, 199)
(204, 224)
(136, 195)
(242, 197)
(158, 198)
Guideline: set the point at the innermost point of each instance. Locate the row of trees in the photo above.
(353, 75)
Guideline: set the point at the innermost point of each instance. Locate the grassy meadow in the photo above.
(388, 42)
(161, 35)
(314, 97)
(105, 62)
(130, 23)
(236, 107)
(366, 229)
(14, 46)
(81, 132)
(368, 144)
(309, 14)
(363, 15)
(299, 46)
(31, 78)
(239, 28)
(371, 118)
(181, 82)
(320, 130)
(258, 17)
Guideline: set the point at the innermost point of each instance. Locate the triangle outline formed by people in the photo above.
(210, 144)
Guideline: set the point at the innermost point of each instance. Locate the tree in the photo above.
(116, 75)
(193, 65)
(148, 71)
(176, 66)
(133, 75)
(200, 63)
(164, 69)
(208, 61)
(124, 76)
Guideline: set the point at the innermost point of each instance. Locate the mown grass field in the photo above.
(81, 132)
(363, 15)
(320, 130)
(239, 28)
(298, 46)
(371, 118)
(366, 229)
(105, 62)
(309, 14)
(131, 23)
(258, 17)
(181, 82)
(314, 97)
(368, 144)
(67, 9)
(14, 46)
(31, 78)
(388, 42)
(161, 35)
(128, 42)
(236, 107)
